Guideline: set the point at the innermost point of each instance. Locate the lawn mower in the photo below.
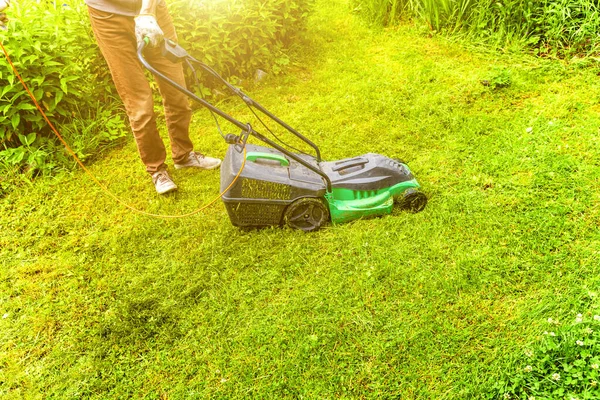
(281, 187)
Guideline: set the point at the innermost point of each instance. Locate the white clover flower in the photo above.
(528, 368)
(552, 334)
(589, 331)
(579, 342)
(550, 321)
(579, 318)
(223, 380)
(593, 383)
(529, 353)
(5, 316)
(545, 332)
(506, 395)
(595, 366)
(596, 317)
(556, 376)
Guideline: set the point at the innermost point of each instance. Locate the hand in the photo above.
(3, 18)
(146, 26)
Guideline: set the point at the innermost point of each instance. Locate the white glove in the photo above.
(146, 26)
(3, 18)
(4, 4)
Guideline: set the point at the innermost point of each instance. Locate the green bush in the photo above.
(237, 37)
(549, 27)
(54, 49)
(564, 364)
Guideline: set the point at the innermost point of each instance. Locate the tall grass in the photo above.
(382, 12)
(549, 27)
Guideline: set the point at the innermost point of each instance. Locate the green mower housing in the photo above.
(274, 189)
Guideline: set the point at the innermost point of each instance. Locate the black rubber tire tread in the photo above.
(307, 214)
(413, 200)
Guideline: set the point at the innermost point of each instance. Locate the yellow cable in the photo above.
(108, 192)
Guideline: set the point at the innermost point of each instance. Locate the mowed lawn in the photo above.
(100, 302)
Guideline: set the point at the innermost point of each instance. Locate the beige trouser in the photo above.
(115, 35)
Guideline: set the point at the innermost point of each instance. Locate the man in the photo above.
(119, 25)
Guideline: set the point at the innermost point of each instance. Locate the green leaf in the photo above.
(25, 106)
(63, 85)
(30, 138)
(58, 98)
(5, 90)
(16, 118)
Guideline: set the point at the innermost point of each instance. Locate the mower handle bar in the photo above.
(244, 127)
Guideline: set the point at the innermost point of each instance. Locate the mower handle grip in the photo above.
(255, 155)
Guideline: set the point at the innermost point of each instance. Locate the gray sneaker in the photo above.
(199, 160)
(163, 182)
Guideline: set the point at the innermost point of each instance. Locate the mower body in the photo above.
(277, 186)
(274, 189)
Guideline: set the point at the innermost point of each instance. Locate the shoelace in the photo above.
(162, 177)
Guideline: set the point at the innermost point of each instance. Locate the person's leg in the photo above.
(115, 35)
(178, 112)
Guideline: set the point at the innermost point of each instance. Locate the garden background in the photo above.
(491, 292)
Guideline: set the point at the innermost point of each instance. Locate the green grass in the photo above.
(104, 303)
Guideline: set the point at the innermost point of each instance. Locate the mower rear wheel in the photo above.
(413, 200)
(306, 214)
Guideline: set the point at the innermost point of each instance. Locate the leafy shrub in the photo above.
(237, 37)
(52, 48)
(564, 364)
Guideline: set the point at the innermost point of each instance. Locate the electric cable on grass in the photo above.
(87, 171)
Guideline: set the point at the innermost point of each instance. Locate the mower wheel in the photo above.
(413, 200)
(306, 214)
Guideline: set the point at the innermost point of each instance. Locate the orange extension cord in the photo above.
(104, 188)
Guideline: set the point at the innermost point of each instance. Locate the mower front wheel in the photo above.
(307, 214)
(413, 200)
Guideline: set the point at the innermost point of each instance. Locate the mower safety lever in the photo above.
(174, 52)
